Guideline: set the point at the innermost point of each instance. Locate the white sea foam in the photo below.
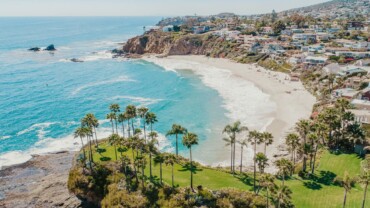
(47, 145)
(105, 82)
(98, 56)
(242, 99)
(142, 101)
(40, 127)
(5, 137)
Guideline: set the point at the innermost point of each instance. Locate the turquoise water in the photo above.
(43, 96)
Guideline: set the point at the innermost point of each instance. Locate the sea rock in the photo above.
(50, 48)
(35, 49)
(76, 60)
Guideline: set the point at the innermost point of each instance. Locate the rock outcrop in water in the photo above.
(50, 48)
(35, 49)
(157, 42)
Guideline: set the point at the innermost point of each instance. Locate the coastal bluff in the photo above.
(167, 44)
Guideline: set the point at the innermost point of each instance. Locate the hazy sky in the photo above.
(144, 7)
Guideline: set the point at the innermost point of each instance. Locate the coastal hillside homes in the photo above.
(363, 62)
(168, 28)
(355, 25)
(353, 54)
(315, 60)
(200, 29)
(267, 31)
(356, 45)
(361, 104)
(348, 93)
(352, 70)
(296, 59)
(332, 68)
(305, 38)
(273, 49)
(361, 116)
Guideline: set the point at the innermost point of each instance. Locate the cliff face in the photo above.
(166, 44)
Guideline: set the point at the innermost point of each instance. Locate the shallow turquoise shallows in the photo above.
(43, 95)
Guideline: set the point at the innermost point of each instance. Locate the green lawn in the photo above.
(315, 193)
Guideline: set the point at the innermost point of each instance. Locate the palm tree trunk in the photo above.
(363, 200)
(144, 133)
(172, 177)
(132, 124)
(283, 179)
(241, 160)
(128, 128)
(314, 160)
(142, 177)
(112, 126)
(191, 171)
(115, 151)
(160, 172)
(234, 156)
(96, 137)
(345, 198)
(267, 197)
(123, 129)
(231, 159)
(82, 143)
(150, 165)
(177, 146)
(254, 167)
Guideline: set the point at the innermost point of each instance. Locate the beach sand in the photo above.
(291, 103)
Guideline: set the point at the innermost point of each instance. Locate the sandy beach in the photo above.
(289, 103)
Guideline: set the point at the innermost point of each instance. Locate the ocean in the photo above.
(43, 95)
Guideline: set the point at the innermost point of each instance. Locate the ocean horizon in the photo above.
(44, 95)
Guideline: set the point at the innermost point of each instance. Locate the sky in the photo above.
(144, 7)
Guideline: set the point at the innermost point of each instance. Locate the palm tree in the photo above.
(176, 130)
(91, 121)
(140, 163)
(266, 181)
(282, 196)
(285, 167)
(142, 111)
(89, 134)
(356, 133)
(292, 140)
(303, 128)
(114, 140)
(159, 159)
(232, 130)
(243, 143)
(114, 108)
(152, 149)
(346, 182)
(254, 138)
(81, 133)
(364, 178)
(111, 116)
(125, 160)
(188, 140)
(170, 159)
(150, 119)
(261, 160)
(131, 115)
(267, 139)
(122, 117)
(312, 148)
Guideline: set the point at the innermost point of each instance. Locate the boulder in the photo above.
(76, 60)
(50, 48)
(35, 49)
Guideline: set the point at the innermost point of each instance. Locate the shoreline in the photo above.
(40, 182)
(292, 101)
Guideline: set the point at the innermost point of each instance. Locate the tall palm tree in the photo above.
(125, 161)
(303, 128)
(313, 144)
(282, 196)
(254, 138)
(114, 139)
(176, 130)
(292, 140)
(131, 115)
(89, 135)
(356, 133)
(111, 117)
(81, 133)
(346, 182)
(140, 163)
(266, 182)
(261, 161)
(188, 140)
(150, 119)
(159, 159)
(91, 121)
(152, 149)
(243, 143)
(170, 159)
(122, 117)
(267, 139)
(284, 167)
(115, 108)
(232, 130)
(364, 178)
(142, 111)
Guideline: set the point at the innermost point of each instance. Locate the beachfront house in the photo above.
(348, 93)
(352, 71)
(361, 104)
(200, 29)
(332, 68)
(315, 60)
(168, 28)
(361, 116)
(305, 38)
